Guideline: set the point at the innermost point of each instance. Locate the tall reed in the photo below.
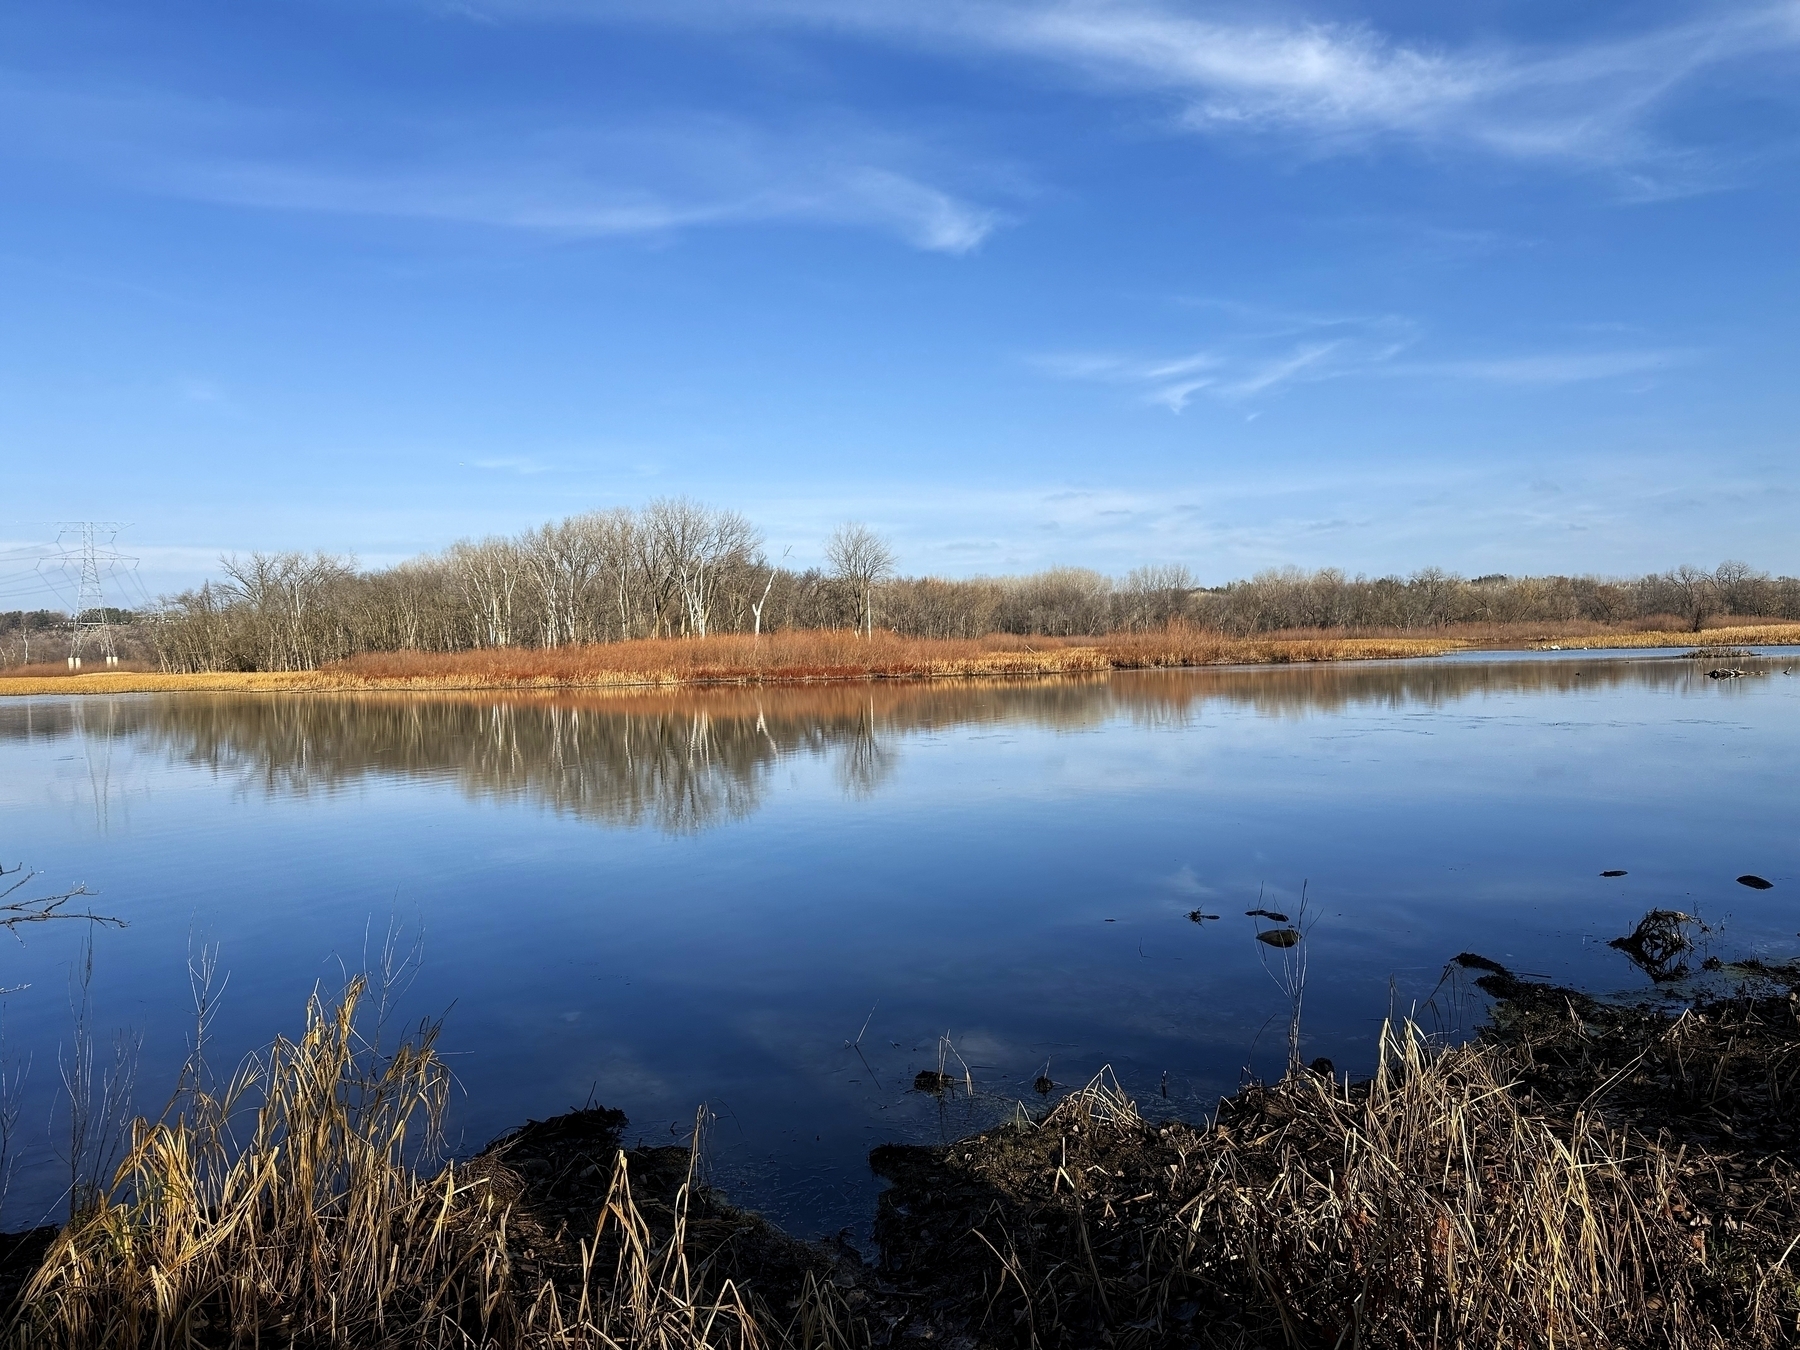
(327, 1226)
(1429, 1206)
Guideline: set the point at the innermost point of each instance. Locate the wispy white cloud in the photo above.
(556, 198)
(1256, 357)
(653, 176)
(1244, 364)
(1546, 368)
(1591, 103)
(519, 464)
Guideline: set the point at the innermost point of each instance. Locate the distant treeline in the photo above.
(677, 568)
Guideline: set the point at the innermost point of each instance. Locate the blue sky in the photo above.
(1019, 282)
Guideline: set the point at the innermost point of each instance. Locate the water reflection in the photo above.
(1010, 864)
(684, 761)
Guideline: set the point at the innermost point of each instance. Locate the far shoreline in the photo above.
(799, 659)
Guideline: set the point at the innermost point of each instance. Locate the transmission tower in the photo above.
(87, 557)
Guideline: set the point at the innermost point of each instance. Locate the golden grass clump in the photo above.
(1430, 1206)
(1433, 1209)
(1754, 635)
(324, 1228)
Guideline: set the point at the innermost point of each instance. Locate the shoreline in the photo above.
(600, 669)
(1581, 1171)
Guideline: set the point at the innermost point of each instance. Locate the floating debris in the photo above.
(1199, 916)
(1613, 872)
(1269, 914)
(932, 1081)
(1755, 882)
(1656, 944)
(1279, 937)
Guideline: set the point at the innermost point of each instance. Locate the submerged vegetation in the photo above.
(1581, 1174)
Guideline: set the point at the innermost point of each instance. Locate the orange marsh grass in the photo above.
(829, 654)
(787, 657)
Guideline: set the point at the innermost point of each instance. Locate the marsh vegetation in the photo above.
(1579, 1173)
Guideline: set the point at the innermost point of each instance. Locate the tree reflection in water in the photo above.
(686, 760)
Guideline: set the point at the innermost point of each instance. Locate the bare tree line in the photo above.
(678, 568)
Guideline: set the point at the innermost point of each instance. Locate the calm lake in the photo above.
(659, 901)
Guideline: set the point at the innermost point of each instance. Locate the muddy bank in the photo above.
(1582, 1173)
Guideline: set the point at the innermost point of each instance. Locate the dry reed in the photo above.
(831, 654)
(1756, 634)
(788, 657)
(1435, 1205)
(325, 1229)
(1583, 1176)
(795, 657)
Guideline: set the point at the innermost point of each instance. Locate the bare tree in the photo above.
(489, 574)
(1741, 589)
(694, 547)
(1153, 597)
(1697, 592)
(563, 561)
(756, 609)
(679, 567)
(286, 594)
(862, 559)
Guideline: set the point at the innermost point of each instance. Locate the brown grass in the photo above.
(1583, 1176)
(322, 1229)
(797, 657)
(778, 658)
(835, 655)
(1440, 1204)
(58, 670)
(161, 682)
(1774, 634)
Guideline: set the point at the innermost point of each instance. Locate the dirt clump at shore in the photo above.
(561, 1173)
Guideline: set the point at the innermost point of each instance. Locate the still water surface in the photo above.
(658, 901)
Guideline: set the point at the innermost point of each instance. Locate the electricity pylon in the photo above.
(87, 552)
